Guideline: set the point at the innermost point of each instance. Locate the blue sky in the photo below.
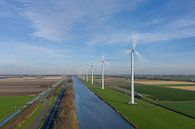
(60, 36)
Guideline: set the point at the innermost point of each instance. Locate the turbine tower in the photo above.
(132, 76)
(103, 63)
(83, 73)
(87, 73)
(133, 51)
(92, 70)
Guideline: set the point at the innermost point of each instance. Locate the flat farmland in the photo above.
(186, 107)
(163, 82)
(192, 88)
(15, 92)
(156, 88)
(164, 93)
(25, 85)
(10, 104)
(175, 95)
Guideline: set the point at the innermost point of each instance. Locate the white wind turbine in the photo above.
(83, 73)
(133, 53)
(103, 62)
(87, 73)
(92, 71)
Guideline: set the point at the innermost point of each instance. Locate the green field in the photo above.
(28, 122)
(186, 107)
(10, 104)
(144, 115)
(164, 93)
(178, 100)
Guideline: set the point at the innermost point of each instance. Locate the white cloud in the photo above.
(178, 29)
(45, 51)
(58, 19)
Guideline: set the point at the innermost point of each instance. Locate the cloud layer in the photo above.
(59, 20)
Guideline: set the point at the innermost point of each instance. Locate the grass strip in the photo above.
(32, 117)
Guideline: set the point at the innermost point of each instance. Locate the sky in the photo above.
(61, 36)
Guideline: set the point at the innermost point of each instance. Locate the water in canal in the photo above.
(93, 113)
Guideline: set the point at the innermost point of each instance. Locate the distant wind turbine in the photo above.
(83, 73)
(92, 71)
(103, 62)
(87, 73)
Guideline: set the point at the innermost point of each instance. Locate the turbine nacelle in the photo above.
(132, 50)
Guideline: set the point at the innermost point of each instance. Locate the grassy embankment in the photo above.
(27, 123)
(67, 116)
(143, 115)
(32, 117)
(10, 104)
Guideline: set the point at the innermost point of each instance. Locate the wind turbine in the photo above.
(133, 52)
(83, 74)
(103, 62)
(87, 73)
(92, 70)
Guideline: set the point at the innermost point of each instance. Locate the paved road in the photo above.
(93, 113)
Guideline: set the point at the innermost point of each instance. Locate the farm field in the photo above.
(10, 104)
(163, 82)
(15, 91)
(25, 85)
(192, 88)
(165, 93)
(186, 107)
(154, 117)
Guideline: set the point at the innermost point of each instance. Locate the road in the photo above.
(41, 116)
(93, 113)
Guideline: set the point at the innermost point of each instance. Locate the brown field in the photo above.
(26, 85)
(157, 82)
(114, 79)
(142, 81)
(184, 87)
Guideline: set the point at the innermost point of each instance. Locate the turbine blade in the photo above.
(140, 56)
(127, 52)
(102, 57)
(134, 40)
